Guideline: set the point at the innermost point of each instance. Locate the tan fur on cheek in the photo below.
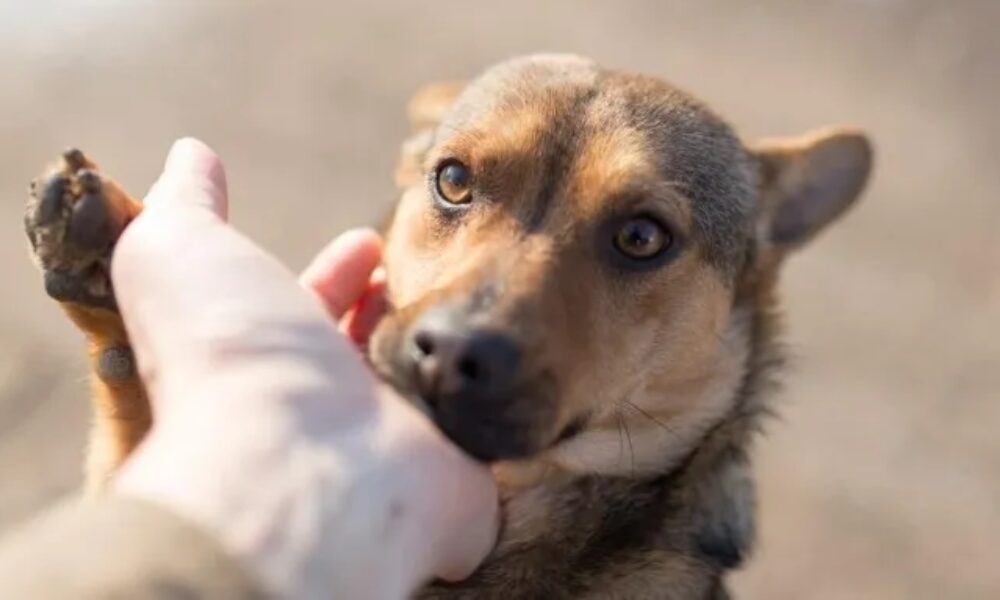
(684, 382)
(638, 440)
(410, 249)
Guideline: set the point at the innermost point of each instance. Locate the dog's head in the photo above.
(567, 252)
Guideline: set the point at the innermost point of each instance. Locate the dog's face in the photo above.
(568, 246)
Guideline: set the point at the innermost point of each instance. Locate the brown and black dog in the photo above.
(582, 268)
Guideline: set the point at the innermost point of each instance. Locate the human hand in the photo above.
(268, 429)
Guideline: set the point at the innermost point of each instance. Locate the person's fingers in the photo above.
(243, 365)
(457, 514)
(193, 291)
(476, 535)
(340, 273)
(360, 322)
(193, 175)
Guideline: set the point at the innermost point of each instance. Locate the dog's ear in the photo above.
(425, 111)
(805, 183)
(427, 107)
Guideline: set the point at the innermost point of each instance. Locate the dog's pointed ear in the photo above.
(427, 107)
(425, 110)
(806, 182)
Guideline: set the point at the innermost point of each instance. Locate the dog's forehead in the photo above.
(566, 111)
(546, 84)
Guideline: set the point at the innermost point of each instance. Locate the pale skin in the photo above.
(269, 431)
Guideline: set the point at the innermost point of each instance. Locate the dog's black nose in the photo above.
(456, 361)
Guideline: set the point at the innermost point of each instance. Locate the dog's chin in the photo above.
(491, 438)
(491, 442)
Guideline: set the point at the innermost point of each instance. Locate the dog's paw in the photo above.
(73, 218)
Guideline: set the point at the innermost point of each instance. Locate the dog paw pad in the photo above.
(72, 222)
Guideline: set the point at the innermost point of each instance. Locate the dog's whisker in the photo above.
(666, 427)
(730, 344)
(631, 450)
(623, 428)
(621, 436)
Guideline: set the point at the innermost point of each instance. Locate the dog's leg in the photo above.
(73, 219)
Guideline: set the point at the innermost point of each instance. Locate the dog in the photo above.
(582, 268)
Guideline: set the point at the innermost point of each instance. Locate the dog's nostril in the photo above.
(450, 359)
(424, 342)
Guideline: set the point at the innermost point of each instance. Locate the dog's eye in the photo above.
(642, 238)
(454, 182)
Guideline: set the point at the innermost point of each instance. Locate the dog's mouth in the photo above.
(491, 438)
(518, 425)
(572, 429)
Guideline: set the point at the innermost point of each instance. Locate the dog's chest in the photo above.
(591, 537)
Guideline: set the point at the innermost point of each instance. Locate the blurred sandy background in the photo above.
(883, 478)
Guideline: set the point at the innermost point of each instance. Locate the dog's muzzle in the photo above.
(471, 378)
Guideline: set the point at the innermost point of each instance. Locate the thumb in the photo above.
(190, 287)
(193, 176)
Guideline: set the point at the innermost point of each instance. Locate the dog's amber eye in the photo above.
(642, 238)
(454, 182)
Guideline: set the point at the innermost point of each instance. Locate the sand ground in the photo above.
(882, 480)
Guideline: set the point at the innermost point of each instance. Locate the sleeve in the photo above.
(117, 548)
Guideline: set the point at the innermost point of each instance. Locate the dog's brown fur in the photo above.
(73, 218)
(641, 387)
